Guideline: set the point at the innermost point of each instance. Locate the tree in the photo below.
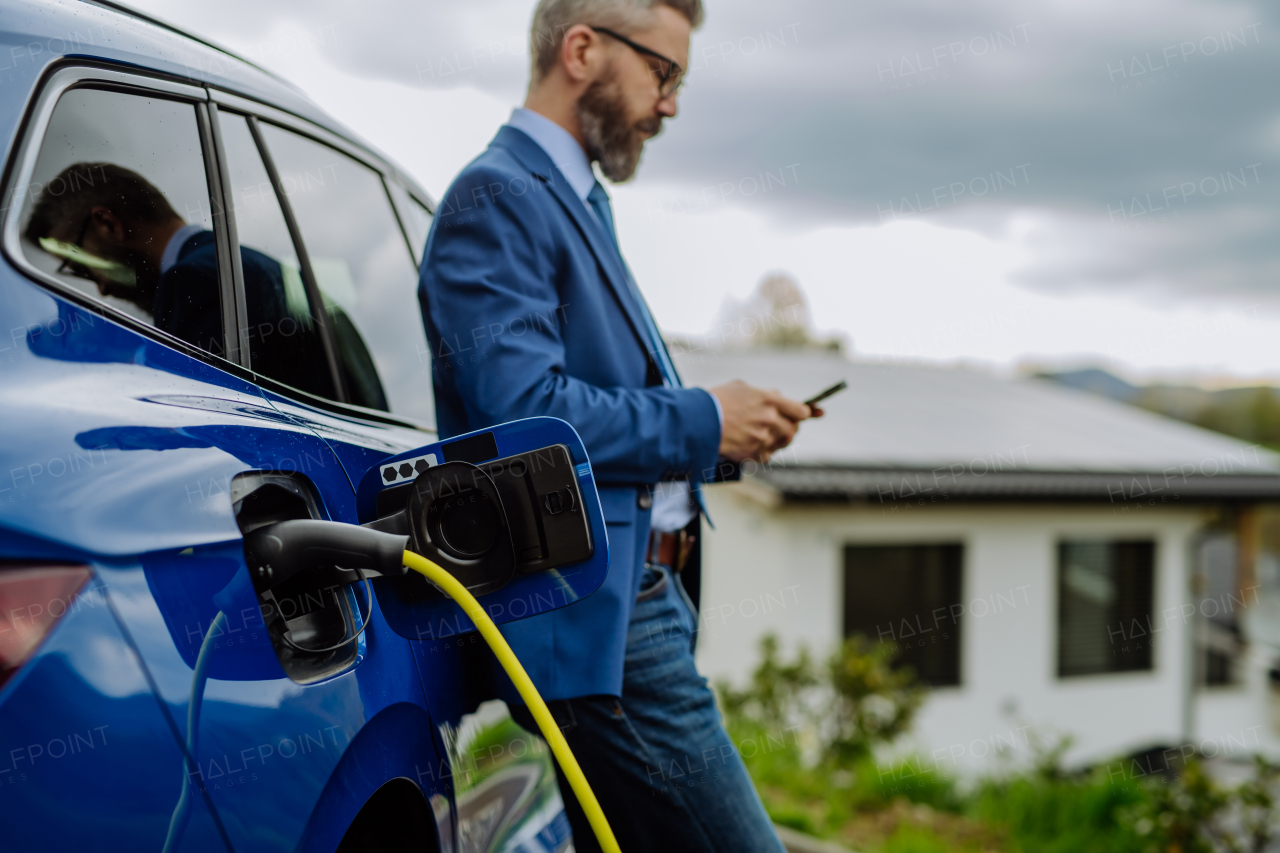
(775, 315)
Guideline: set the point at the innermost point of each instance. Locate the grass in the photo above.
(907, 807)
(1057, 815)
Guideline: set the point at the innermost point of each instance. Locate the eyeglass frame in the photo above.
(672, 65)
(70, 267)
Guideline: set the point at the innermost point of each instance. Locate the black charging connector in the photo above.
(325, 553)
(342, 553)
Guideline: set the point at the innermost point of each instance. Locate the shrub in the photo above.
(842, 710)
(1197, 814)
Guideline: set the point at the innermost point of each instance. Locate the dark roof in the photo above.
(895, 486)
(916, 418)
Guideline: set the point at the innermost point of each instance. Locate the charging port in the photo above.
(309, 611)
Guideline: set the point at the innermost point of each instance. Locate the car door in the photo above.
(138, 361)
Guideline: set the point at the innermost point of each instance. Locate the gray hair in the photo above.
(553, 17)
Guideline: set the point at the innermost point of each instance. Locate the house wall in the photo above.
(771, 568)
(1234, 721)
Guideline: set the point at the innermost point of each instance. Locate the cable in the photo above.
(199, 676)
(550, 731)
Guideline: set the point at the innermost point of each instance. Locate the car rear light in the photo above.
(32, 600)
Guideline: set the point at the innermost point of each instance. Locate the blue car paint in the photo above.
(117, 452)
(98, 729)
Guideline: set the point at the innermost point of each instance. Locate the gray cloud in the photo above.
(1140, 140)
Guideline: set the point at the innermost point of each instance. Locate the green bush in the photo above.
(807, 732)
(844, 709)
(1197, 814)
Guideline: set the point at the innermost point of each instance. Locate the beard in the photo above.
(610, 139)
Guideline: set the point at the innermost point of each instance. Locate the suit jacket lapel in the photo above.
(533, 158)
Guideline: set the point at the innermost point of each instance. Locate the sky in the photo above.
(1002, 184)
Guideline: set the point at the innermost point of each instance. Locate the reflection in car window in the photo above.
(120, 211)
(416, 218)
(284, 342)
(364, 271)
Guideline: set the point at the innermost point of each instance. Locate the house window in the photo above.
(1105, 593)
(908, 596)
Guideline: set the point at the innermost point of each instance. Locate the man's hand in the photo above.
(757, 422)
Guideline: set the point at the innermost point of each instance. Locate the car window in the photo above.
(415, 216)
(364, 271)
(119, 210)
(284, 342)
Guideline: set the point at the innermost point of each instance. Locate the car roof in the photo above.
(110, 31)
(126, 9)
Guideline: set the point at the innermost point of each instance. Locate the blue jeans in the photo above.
(665, 771)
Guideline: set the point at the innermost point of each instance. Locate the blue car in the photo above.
(209, 292)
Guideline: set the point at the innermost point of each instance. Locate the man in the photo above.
(112, 227)
(530, 310)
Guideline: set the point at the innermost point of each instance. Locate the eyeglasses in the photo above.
(670, 73)
(81, 264)
(69, 266)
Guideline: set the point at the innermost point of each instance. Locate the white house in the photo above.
(1045, 558)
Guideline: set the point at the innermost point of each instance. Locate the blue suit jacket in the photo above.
(528, 312)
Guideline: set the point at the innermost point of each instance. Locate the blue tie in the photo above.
(599, 201)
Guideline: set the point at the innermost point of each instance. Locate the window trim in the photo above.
(397, 204)
(297, 124)
(256, 112)
(224, 236)
(21, 165)
(303, 127)
(309, 283)
(400, 216)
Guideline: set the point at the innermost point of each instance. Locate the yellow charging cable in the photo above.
(550, 731)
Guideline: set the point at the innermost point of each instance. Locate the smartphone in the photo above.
(829, 392)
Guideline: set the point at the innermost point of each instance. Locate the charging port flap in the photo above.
(511, 512)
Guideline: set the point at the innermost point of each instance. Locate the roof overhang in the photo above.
(887, 486)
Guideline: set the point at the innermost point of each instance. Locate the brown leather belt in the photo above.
(670, 548)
